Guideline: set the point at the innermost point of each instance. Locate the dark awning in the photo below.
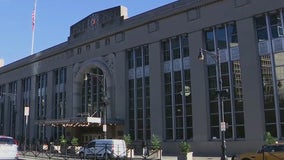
(77, 122)
(71, 122)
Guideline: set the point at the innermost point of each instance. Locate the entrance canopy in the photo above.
(71, 122)
(78, 122)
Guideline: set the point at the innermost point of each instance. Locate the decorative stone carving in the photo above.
(76, 69)
(109, 61)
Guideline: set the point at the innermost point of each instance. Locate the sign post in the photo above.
(26, 114)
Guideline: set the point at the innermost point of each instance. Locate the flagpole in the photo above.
(33, 27)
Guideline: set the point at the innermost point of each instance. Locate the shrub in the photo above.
(184, 147)
(62, 140)
(155, 142)
(128, 140)
(74, 141)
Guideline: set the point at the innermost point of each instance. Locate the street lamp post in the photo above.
(220, 92)
(106, 102)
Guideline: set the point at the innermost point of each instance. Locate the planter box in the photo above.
(188, 156)
(130, 153)
(74, 149)
(155, 154)
(63, 149)
(56, 148)
(45, 147)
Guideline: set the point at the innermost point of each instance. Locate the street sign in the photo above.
(27, 111)
(94, 120)
(104, 128)
(223, 126)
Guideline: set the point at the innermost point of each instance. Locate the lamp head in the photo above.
(86, 77)
(201, 55)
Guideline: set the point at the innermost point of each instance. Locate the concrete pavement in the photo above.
(194, 158)
(63, 158)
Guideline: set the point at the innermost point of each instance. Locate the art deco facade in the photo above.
(140, 75)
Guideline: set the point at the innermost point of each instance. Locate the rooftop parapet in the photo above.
(99, 21)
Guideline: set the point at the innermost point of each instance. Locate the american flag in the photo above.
(33, 19)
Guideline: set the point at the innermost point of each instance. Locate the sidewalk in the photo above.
(194, 158)
(163, 158)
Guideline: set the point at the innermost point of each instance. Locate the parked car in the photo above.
(267, 152)
(8, 148)
(104, 148)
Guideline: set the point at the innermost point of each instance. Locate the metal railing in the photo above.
(49, 151)
(103, 151)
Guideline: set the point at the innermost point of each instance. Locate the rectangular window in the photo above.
(185, 45)
(139, 94)
(97, 44)
(41, 106)
(261, 28)
(224, 37)
(275, 25)
(269, 105)
(221, 37)
(175, 45)
(107, 41)
(209, 40)
(138, 57)
(165, 47)
(232, 35)
(177, 94)
(88, 47)
(146, 55)
(79, 50)
(130, 59)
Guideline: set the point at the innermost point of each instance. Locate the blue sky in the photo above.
(53, 21)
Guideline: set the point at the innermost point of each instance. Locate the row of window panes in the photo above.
(26, 84)
(60, 102)
(274, 24)
(269, 104)
(42, 80)
(269, 97)
(177, 106)
(175, 47)
(219, 33)
(60, 75)
(142, 108)
(138, 56)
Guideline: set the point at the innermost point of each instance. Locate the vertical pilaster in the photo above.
(156, 102)
(199, 92)
(32, 125)
(251, 80)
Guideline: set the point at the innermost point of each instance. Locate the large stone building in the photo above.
(141, 76)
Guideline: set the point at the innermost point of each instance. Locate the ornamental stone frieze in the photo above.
(105, 63)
